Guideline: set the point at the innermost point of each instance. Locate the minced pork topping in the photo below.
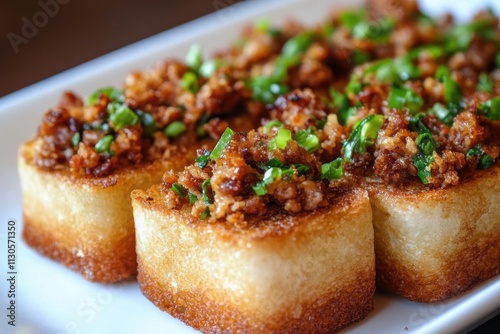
(384, 92)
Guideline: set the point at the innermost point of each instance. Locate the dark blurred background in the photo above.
(61, 34)
(40, 38)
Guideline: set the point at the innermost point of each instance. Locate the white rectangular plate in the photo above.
(52, 299)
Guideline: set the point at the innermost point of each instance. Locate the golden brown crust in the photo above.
(113, 261)
(345, 307)
(431, 245)
(313, 272)
(85, 223)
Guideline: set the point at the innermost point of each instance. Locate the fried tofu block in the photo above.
(84, 223)
(311, 272)
(433, 244)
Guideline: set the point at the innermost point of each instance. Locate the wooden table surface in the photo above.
(75, 31)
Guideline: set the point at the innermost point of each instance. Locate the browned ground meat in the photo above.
(232, 177)
(425, 92)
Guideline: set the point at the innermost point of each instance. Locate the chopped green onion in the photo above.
(441, 72)
(485, 160)
(426, 146)
(350, 19)
(209, 67)
(360, 57)
(363, 135)
(192, 198)
(271, 175)
(485, 84)
(274, 162)
(221, 145)
(205, 214)
(149, 125)
(435, 51)
(121, 115)
(301, 169)
(400, 97)
(202, 160)
(104, 144)
(260, 188)
(491, 109)
(204, 192)
(281, 139)
(272, 124)
(354, 86)
(394, 70)
(341, 101)
(194, 59)
(307, 139)
(298, 44)
(113, 94)
(425, 20)
(452, 93)
(200, 125)
(281, 66)
(179, 190)
(175, 129)
(460, 37)
(75, 140)
(328, 29)
(446, 114)
(417, 124)
(332, 170)
(189, 82)
(263, 25)
(266, 89)
(374, 31)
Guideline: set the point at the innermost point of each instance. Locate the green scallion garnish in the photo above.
(402, 97)
(426, 146)
(189, 82)
(194, 59)
(298, 44)
(307, 139)
(281, 139)
(221, 145)
(204, 191)
(202, 160)
(205, 214)
(121, 115)
(113, 94)
(272, 124)
(179, 190)
(271, 175)
(192, 198)
(175, 129)
(209, 67)
(104, 144)
(485, 84)
(75, 140)
(491, 109)
(149, 125)
(485, 160)
(363, 135)
(332, 170)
